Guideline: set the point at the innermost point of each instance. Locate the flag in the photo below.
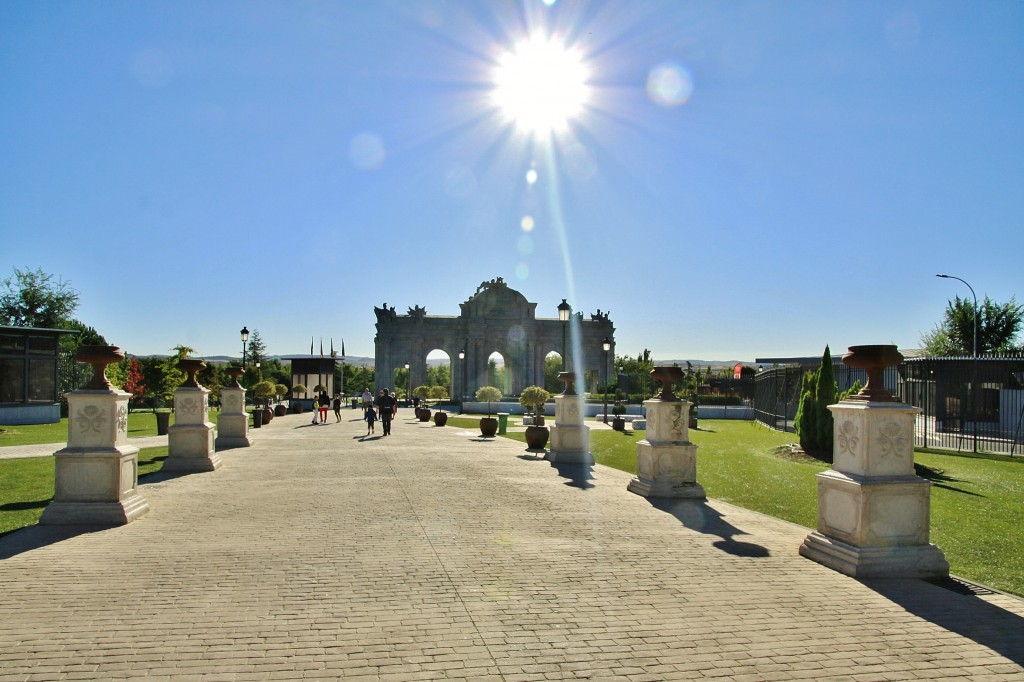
(311, 345)
(321, 346)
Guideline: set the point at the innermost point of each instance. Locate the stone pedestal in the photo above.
(190, 440)
(873, 511)
(96, 477)
(666, 460)
(233, 421)
(570, 439)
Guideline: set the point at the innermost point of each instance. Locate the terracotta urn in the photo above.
(191, 366)
(537, 437)
(99, 357)
(488, 427)
(667, 375)
(569, 379)
(873, 360)
(234, 373)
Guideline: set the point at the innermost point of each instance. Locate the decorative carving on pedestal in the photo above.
(873, 512)
(96, 479)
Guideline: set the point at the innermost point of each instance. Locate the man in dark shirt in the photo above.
(385, 409)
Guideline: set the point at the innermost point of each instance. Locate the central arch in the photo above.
(495, 319)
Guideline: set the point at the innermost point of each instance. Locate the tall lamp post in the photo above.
(607, 346)
(974, 354)
(564, 311)
(462, 363)
(408, 385)
(245, 339)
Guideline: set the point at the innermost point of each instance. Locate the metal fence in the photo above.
(967, 404)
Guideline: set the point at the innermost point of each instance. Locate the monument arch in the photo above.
(495, 319)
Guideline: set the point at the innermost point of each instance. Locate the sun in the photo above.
(540, 85)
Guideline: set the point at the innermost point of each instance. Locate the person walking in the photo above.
(325, 405)
(370, 418)
(337, 408)
(367, 399)
(386, 406)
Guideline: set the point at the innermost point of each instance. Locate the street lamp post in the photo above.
(408, 385)
(974, 355)
(607, 346)
(564, 311)
(462, 391)
(245, 339)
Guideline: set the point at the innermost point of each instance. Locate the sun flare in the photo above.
(540, 85)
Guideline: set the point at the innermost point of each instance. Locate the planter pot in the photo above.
(268, 414)
(297, 408)
(163, 421)
(440, 418)
(618, 423)
(280, 411)
(257, 419)
(488, 426)
(537, 437)
(423, 414)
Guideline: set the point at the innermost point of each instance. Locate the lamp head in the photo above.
(245, 334)
(606, 344)
(564, 309)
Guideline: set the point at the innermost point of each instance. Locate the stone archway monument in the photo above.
(496, 318)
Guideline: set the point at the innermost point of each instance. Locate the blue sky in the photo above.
(798, 179)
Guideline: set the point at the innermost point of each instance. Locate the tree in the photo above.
(814, 423)
(998, 326)
(637, 371)
(133, 382)
(257, 349)
(488, 394)
(533, 398)
(35, 299)
(438, 392)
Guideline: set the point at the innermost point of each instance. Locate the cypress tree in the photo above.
(825, 394)
(805, 422)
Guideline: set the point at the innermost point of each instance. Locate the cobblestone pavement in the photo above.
(435, 554)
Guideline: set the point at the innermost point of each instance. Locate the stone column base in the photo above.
(232, 431)
(916, 561)
(666, 470)
(570, 444)
(95, 486)
(190, 448)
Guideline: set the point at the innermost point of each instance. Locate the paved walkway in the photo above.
(435, 554)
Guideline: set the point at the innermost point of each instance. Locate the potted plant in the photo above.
(488, 424)
(280, 391)
(439, 393)
(533, 399)
(423, 410)
(264, 390)
(298, 389)
(618, 409)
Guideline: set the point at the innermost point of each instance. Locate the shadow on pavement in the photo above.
(995, 627)
(579, 475)
(699, 516)
(35, 537)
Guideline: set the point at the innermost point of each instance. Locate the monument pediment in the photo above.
(496, 298)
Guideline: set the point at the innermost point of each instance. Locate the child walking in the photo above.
(371, 417)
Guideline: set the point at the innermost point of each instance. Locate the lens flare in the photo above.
(669, 84)
(526, 223)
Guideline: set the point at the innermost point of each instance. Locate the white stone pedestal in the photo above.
(96, 477)
(873, 511)
(233, 421)
(666, 460)
(570, 439)
(190, 440)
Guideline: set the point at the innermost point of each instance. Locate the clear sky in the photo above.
(730, 180)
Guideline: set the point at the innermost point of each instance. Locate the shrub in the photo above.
(488, 394)
(533, 398)
(438, 392)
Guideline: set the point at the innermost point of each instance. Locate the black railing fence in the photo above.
(967, 404)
